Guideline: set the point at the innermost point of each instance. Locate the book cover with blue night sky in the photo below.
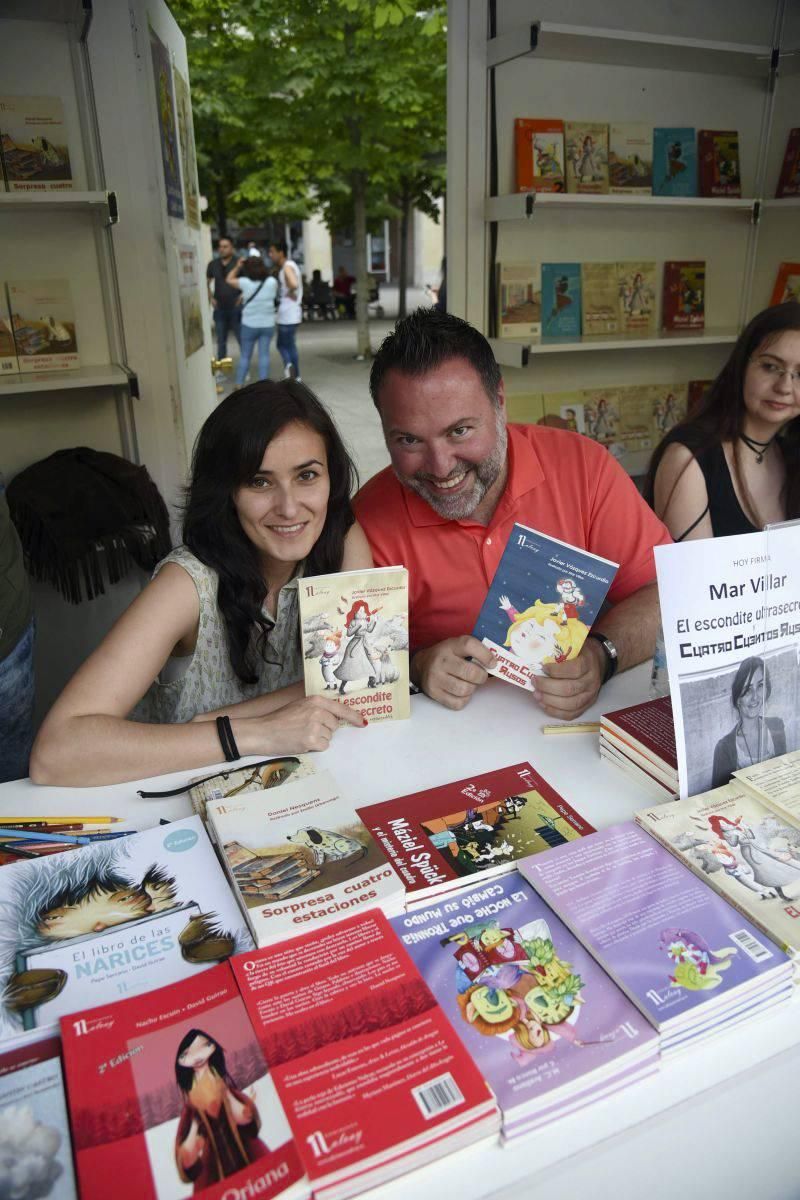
(542, 602)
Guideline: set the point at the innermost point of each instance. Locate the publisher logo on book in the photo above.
(87, 1025)
(349, 1137)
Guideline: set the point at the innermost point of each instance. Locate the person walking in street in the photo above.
(258, 288)
(226, 301)
(290, 307)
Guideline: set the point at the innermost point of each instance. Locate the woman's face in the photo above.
(751, 701)
(771, 397)
(197, 1053)
(282, 509)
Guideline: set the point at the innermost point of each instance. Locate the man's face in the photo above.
(446, 439)
(225, 248)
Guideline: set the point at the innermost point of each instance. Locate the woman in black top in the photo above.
(733, 465)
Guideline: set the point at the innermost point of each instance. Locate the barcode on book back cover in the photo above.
(751, 946)
(437, 1096)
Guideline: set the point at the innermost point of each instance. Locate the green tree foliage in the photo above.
(335, 106)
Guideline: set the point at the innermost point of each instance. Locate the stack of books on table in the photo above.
(324, 1065)
(301, 858)
(640, 740)
(548, 1029)
(439, 840)
(688, 960)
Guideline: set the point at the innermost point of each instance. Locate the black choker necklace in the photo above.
(758, 448)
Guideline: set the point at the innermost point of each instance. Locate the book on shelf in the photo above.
(789, 180)
(718, 168)
(35, 147)
(776, 783)
(36, 1153)
(9, 363)
(586, 154)
(372, 1076)
(674, 162)
(741, 849)
(691, 963)
(117, 917)
(683, 304)
(599, 298)
(567, 407)
(305, 859)
(525, 408)
(520, 301)
(541, 604)
(43, 324)
(561, 299)
(260, 776)
(539, 154)
(630, 158)
(548, 1029)
(170, 1093)
(641, 740)
(696, 390)
(475, 828)
(354, 627)
(636, 286)
(633, 426)
(669, 402)
(787, 283)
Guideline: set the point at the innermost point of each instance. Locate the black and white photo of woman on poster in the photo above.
(730, 610)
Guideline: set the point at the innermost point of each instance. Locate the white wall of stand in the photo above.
(707, 66)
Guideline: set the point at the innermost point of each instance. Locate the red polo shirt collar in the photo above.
(524, 474)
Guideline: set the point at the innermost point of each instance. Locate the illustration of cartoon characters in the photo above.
(328, 845)
(546, 154)
(772, 868)
(605, 423)
(84, 894)
(697, 966)
(359, 660)
(533, 635)
(330, 658)
(218, 1128)
(585, 161)
(675, 163)
(572, 598)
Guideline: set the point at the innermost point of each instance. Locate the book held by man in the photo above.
(355, 640)
(539, 154)
(170, 1096)
(543, 598)
(547, 1028)
(475, 828)
(688, 960)
(371, 1074)
(306, 860)
(110, 919)
(43, 324)
(35, 148)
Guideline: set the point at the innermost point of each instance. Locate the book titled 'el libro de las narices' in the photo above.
(543, 599)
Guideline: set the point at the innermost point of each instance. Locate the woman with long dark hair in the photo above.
(218, 1128)
(754, 735)
(216, 633)
(733, 466)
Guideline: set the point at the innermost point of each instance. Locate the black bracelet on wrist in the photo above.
(227, 740)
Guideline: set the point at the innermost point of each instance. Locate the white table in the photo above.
(718, 1123)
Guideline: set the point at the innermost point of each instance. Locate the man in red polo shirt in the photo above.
(460, 478)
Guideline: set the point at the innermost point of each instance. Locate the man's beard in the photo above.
(484, 474)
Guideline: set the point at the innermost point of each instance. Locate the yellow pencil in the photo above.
(59, 820)
(573, 727)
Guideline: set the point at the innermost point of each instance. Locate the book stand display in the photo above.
(727, 69)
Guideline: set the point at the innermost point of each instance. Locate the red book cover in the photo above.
(789, 182)
(539, 154)
(718, 162)
(787, 283)
(649, 727)
(478, 826)
(684, 295)
(367, 1065)
(169, 1095)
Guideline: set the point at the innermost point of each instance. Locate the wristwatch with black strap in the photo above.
(610, 651)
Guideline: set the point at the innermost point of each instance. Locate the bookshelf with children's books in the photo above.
(722, 72)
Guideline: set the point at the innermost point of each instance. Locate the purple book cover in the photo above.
(671, 942)
(532, 1007)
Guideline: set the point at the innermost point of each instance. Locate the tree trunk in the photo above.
(405, 204)
(359, 185)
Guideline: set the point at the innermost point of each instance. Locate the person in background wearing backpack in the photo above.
(259, 289)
